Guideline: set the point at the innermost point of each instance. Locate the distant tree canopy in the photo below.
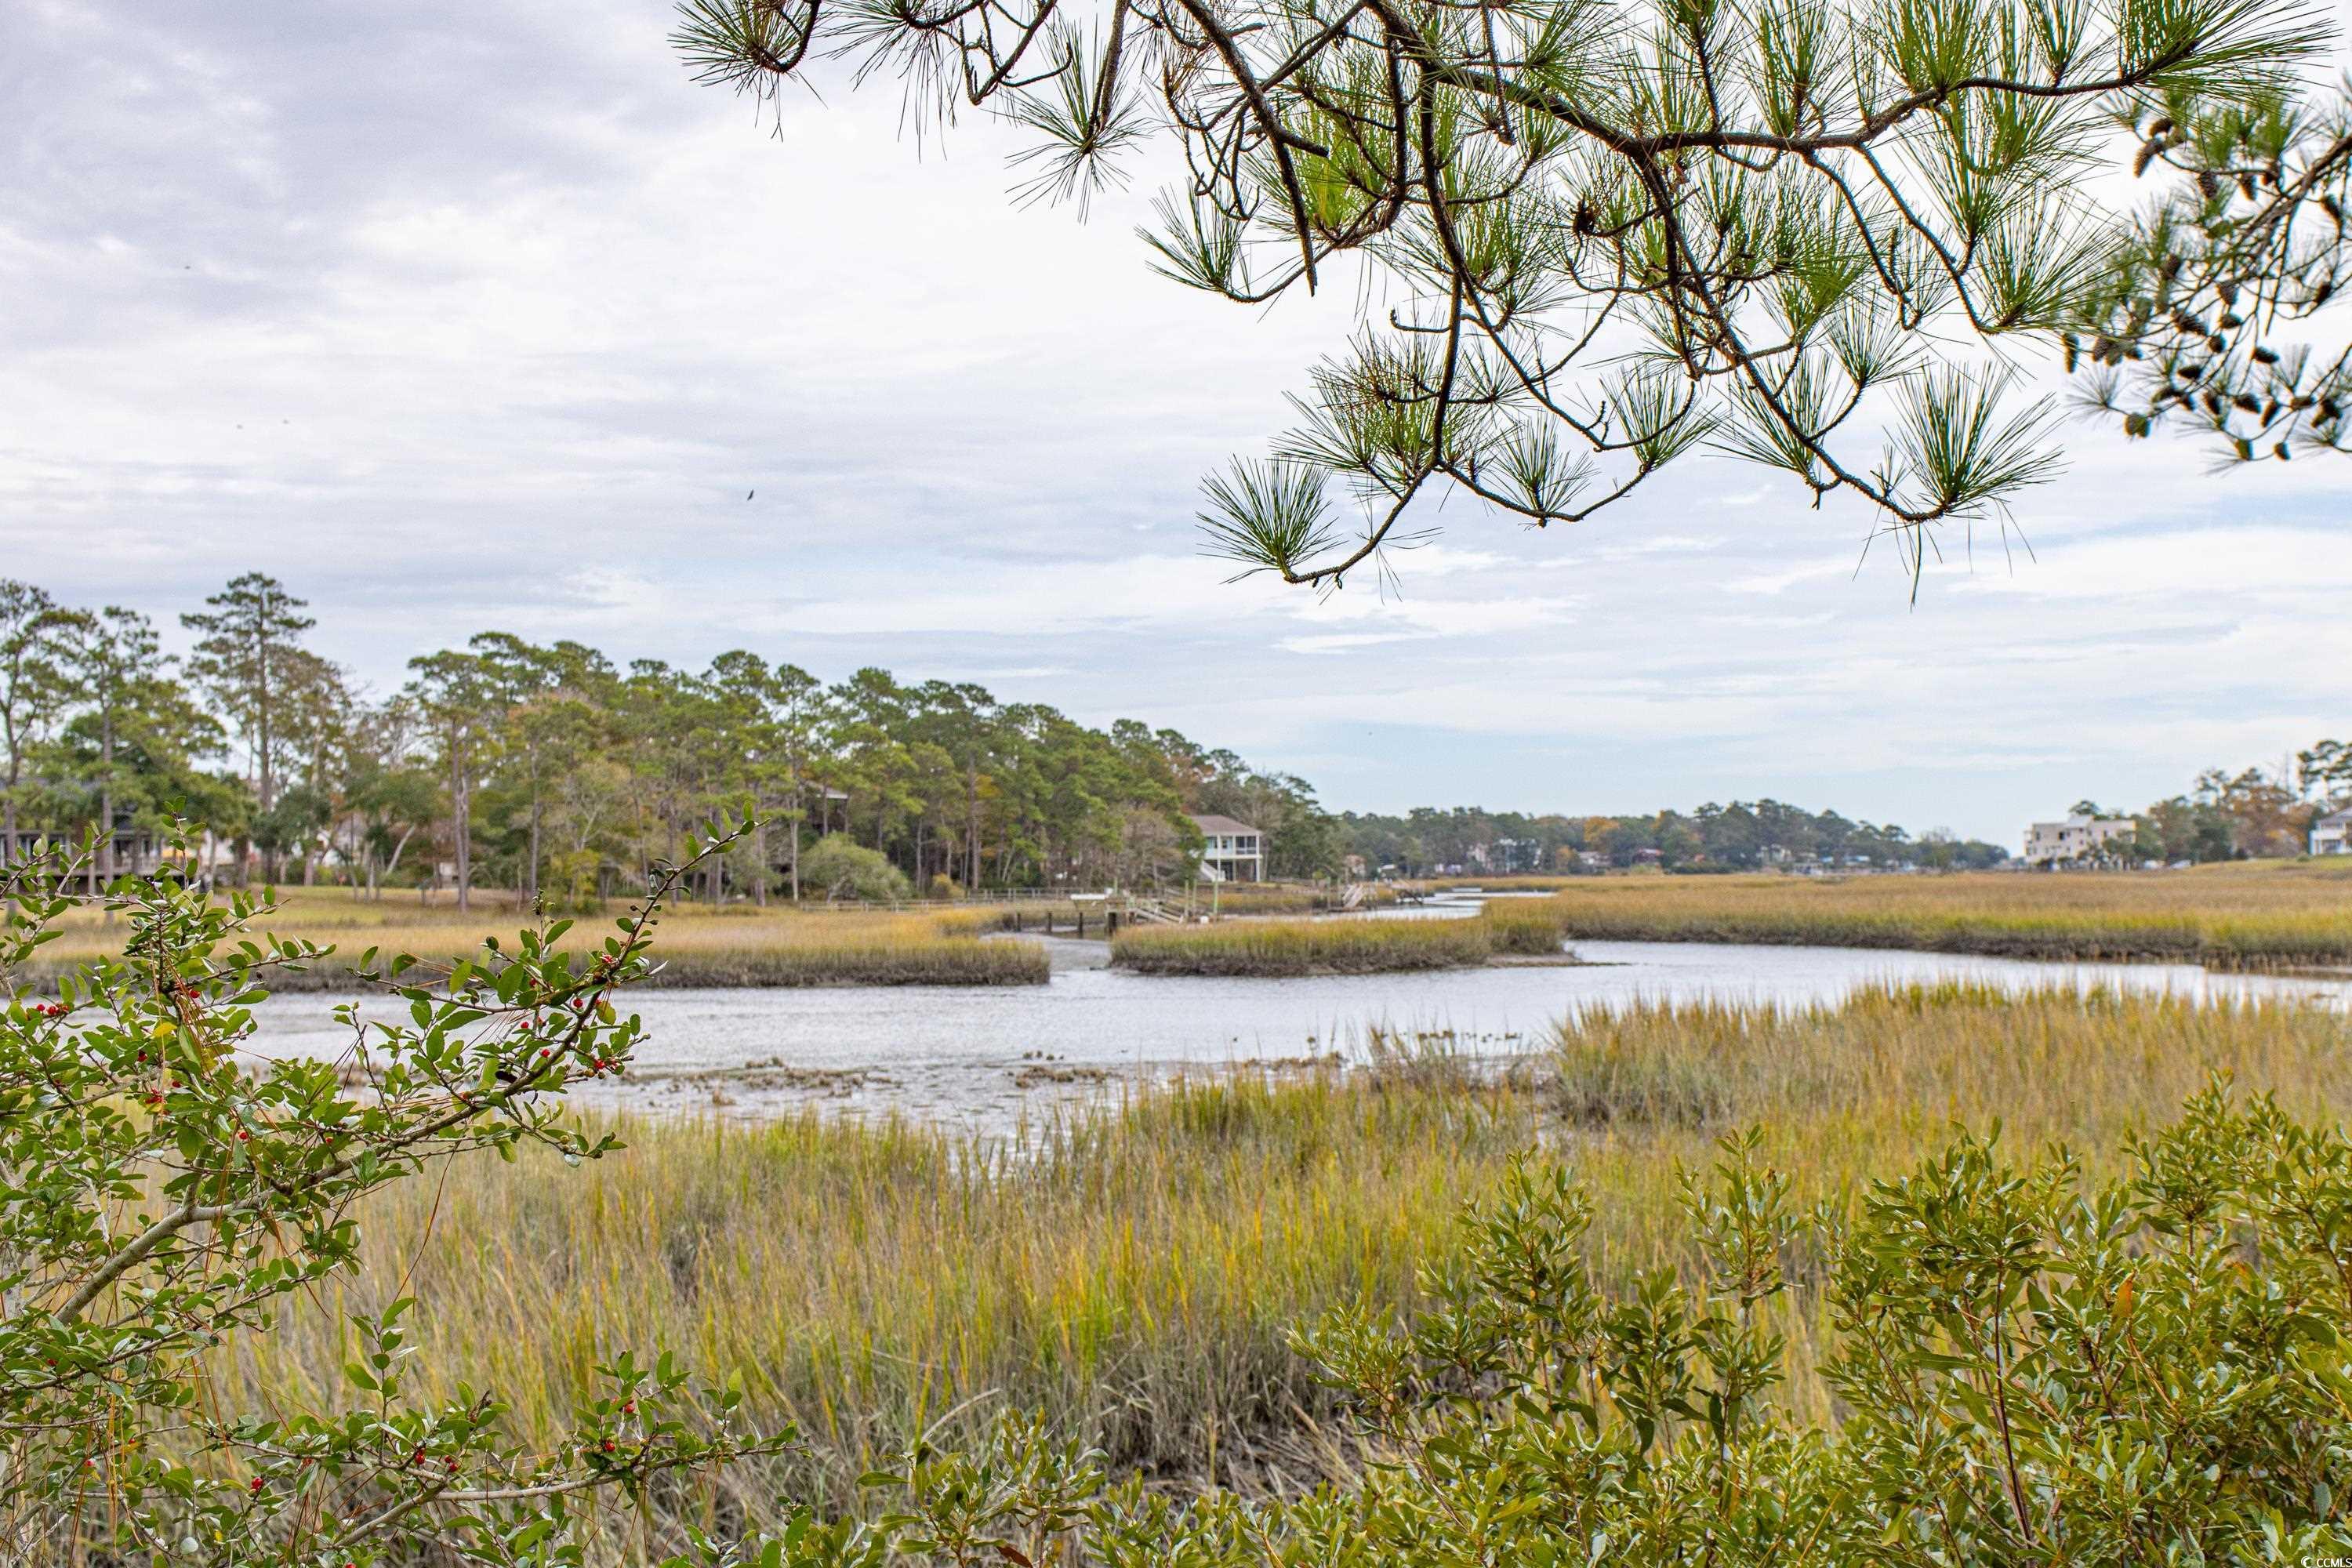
(1594, 235)
(2248, 813)
(1742, 836)
(549, 769)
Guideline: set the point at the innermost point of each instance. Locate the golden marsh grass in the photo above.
(1133, 1272)
(1273, 948)
(2227, 916)
(697, 945)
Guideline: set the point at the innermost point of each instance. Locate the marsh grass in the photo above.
(1289, 948)
(732, 945)
(2275, 914)
(1518, 928)
(1290, 898)
(1527, 927)
(1133, 1271)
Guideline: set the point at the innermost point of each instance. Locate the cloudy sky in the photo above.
(469, 313)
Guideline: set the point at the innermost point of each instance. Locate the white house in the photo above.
(2332, 834)
(1235, 851)
(2079, 838)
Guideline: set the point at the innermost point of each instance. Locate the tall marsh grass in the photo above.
(736, 945)
(2250, 916)
(1289, 948)
(1520, 928)
(1527, 927)
(1133, 1271)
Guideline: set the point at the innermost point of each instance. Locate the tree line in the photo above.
(555, 772)
(2250, 813)
(1742, 836)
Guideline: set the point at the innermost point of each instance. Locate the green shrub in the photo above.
(834, 868)
(162, 1196)
(2031, 1367)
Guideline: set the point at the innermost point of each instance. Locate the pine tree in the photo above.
(250, 643)
(1593, 235)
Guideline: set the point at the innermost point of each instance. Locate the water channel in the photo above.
(984, 1058)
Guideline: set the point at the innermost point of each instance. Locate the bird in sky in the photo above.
(749, 494)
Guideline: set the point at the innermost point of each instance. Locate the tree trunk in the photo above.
(971, 835)
(267, 784)
(461, 808)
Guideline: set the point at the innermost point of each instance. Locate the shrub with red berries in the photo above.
(142, 1244)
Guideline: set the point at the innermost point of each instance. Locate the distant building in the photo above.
(2077, 839)
(1516, 856)
(1235, 850)
(2332, 834)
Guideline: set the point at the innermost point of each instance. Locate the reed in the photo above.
(2234, 916)
(1292, 948)
(1133, 1271)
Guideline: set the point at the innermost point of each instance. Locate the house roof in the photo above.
(1221, 825)
(2335, 819)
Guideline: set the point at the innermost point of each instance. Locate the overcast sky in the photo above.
(471, 314)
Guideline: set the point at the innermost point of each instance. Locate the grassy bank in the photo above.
(1270, 949)
(1133, 1272)
(2227, 916)
(1525, 927)
(736, 945)
(1288, 897)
